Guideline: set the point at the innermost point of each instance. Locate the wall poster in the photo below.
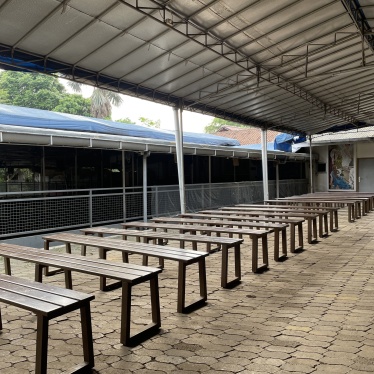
(341, 167)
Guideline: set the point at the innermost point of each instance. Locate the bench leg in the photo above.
(336, 220)
(225, 265)
(150, 330)
(255, 254)
(293, 239)
(276, 247)
(309, 230)
(301, 235)
(86, 325)
(7, 267)
(181, 302)
(41, 345)
(68, 280)
(103, 285)
(265, 251)
(314, 224)
(325, 220)
(1, 321)
(47, 272)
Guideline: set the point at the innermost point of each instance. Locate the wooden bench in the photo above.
(353, 206)
(49, 302)
(128, 274)
(279, 229)
(182, 256)
(254, 235)
(333, 211)
(269, 214)
(257, 219)
(274, 217)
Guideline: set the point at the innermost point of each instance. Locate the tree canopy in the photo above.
(35, 90)
(219, 122)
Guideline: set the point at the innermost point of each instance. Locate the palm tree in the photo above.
(101, 100)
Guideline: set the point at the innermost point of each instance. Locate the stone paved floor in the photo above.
(310, 314)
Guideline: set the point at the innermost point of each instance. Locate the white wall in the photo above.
(365, 150)
(321, 179)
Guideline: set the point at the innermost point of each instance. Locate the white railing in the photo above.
(32, 212)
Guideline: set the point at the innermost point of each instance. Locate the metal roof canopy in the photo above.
(296, 66)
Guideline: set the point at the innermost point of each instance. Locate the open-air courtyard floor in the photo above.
(313, 313)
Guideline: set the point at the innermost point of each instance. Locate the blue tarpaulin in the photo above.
(283, 142)
(28, 117)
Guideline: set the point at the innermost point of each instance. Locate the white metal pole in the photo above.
(124, 184)
(145, 201)
(179, 153)
(311, 164)
(277, 178)
(264, 149)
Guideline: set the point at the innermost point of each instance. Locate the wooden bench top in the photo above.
(44, 299)
(278, 203)
(242, 216)
(166, 252)
(164, 235)
(127, 274)
(171, 226)
(47, 302)
(298, 211)
(218, 222)
(267, 214)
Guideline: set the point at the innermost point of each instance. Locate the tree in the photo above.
(31, 90)
(101, 100)
(4, 97)
(74, 104)
(35, 90)
(150, 123)
(125, 120)
(219, 122)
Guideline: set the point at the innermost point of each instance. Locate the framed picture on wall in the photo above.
(341, 167)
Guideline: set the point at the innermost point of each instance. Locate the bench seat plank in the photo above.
(279, 228)
(128, 274)
(186, 257)
(48, 302)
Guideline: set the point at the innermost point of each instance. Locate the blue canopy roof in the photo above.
(19, 116)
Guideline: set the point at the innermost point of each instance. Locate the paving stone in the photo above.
(310, 314)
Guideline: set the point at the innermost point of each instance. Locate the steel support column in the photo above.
(311, 164)
(264, 149)
(145, 186)
(179, 151)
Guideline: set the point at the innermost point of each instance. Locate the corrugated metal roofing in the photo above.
(287, 65)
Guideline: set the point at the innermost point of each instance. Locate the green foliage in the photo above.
(74, 104)
(125, 120)
(150, 123)
(31, 90)
(4, 97)
(219, 122)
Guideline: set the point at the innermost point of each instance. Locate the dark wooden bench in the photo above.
(279, 230)
(147, 236)
(353, 206)
(280, 211)
(49, 302)
(333, 211)
(129, 275)
(275, 214)
(254, 235)
(294, 220)
(182, 256)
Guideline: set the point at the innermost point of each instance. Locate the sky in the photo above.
(134, 108)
